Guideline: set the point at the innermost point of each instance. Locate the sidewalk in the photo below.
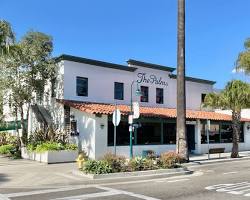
(224, 157)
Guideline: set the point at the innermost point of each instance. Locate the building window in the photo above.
(67, 119)
(82, 86)
(159, 95)
(39, 97)
(220, 133)
(169, 133)
(203, 96)
(122, 133)
(144, 94)
(149, 133)
(53, 87)
(118, 91)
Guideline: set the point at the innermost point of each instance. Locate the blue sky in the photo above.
(116, 30)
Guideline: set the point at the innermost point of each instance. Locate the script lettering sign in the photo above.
(152, 79)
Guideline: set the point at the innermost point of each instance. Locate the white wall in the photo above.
(86, 125)
(245, 113)
(137, 149)
(101, 85)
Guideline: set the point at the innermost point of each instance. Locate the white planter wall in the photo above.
(137, 149)
(50, 157)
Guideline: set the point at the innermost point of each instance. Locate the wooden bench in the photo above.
(216, 150)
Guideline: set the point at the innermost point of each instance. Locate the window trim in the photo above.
(117, 83)
(83, 78)
(147, 94)
(162, 95)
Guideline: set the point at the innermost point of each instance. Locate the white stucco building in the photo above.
(86, 92)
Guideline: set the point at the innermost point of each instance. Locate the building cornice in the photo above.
(150, 65)
(192, 79)
(94, 62)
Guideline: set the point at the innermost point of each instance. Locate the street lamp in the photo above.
(137, 93)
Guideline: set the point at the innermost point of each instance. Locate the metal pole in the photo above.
(115, 130)
(115, 140)
(131, 125)
(208, 147)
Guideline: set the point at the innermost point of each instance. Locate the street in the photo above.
(23, 180)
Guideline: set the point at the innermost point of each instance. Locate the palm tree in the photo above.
(7, 37)
(235, 96)
(181, 139)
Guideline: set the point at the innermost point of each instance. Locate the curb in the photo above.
(142, 175)
(208, 162)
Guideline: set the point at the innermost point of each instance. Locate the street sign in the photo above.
(136, 110)
(130, 119)
(116, 117)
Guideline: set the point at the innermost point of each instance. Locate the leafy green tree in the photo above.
(7, 37)
(235, 96)
(243, 61)
(25, 71)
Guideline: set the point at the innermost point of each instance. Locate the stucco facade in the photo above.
(93, 128)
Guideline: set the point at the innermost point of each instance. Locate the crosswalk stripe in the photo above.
(21, 194)
(231, 187)
(241, 188)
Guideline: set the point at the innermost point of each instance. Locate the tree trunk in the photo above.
(181, 139)
(23, 126)
(19, 142)
(236, 116)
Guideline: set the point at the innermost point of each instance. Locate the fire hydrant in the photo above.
(80, 160)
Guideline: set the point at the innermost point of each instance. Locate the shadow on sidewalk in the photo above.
(3, 178)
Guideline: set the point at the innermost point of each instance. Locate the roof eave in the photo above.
(150, 65)
(94, 62)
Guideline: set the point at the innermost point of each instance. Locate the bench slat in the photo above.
(216, 150)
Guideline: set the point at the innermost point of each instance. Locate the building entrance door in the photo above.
(191, 136)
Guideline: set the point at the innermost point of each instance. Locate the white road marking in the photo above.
(232, 188)
(140, 196)
(69, 176)
(21, 194)
(237, 189)
(88, 196)
(3, 197)
(213, 187)
(108, 192)
(230, 173)
(178, 180)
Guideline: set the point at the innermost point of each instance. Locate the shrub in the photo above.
(117, 163)
(151, 154)
(97, 167)
(3, 138)
(137, 164)
(7, 149)
(150, 164)
(6, 138)
(71, 147)
(49, 146)
(170, 160)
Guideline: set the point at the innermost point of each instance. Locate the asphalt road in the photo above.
(228, 181)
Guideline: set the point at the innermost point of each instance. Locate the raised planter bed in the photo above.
(50, 157)
(159, 173)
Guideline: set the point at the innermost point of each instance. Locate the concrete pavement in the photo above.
(23, 180)
(214, 181)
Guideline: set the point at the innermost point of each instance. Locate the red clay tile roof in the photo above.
(107, 109)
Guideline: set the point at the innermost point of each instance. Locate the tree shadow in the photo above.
(3, 178)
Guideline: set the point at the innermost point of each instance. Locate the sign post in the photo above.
(208, 130)
(116, 120)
